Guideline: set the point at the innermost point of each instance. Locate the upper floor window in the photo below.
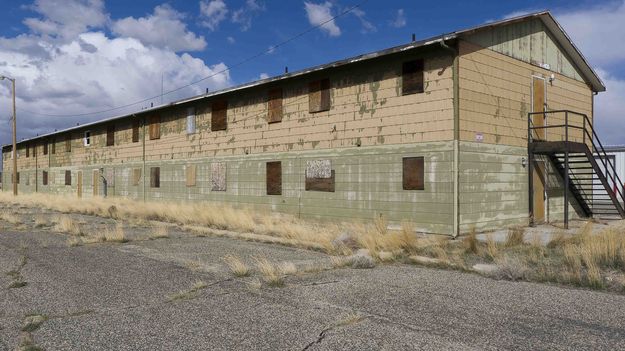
(155, 127)
(135, 131)
(319, 96)
(68, 143)
(219, 115)
(110, 135)
(87, 138)
(412, 77)
(190, 120)
(274, 105)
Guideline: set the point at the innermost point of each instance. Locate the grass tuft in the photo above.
(270, 272)
(188, 294)
(515, 237)
(67, 225)
(237, 266)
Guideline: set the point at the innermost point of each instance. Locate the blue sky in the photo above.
(79, 56)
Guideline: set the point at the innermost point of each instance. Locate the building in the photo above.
(434, 132)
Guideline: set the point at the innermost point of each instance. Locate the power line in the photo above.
(240, 63)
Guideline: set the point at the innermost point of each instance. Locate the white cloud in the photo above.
(66, 20)
(164, 28)
(609, 107)
(320, 13)
(598, 31)
(400, 19)
(367, 27)
(213, 13)
(231, 40)
(263, 76)
(245, 14)
(91, 71)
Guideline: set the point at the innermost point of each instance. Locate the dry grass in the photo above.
(188, 294)
(515, 237)
(114, 235)
(237, 266)
(67, 225)
(74, 241)
(10, 217)
(160, 232)
(271, 273)
(40, 221)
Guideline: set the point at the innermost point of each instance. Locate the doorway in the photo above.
(539, 176)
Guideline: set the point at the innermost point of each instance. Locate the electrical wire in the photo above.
(238, 64)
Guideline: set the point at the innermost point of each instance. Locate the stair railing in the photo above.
(588, 134)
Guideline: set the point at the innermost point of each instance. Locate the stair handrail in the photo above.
(597, 146)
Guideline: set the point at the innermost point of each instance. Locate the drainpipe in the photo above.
(456, 166)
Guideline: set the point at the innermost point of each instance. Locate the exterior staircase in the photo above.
(568, 140)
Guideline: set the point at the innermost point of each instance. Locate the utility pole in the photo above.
(14, 150)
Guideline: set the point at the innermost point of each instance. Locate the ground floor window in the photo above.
(413, 173)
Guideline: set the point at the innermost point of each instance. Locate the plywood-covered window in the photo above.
(218, 176)
(413, 173)
(135, 131)
(53, 147)
(274, 178)
(190, 172)
(219, 115)
(110, 135)
(154, 128)
(412, 77)
(319, 96)
(191, 120)
(68, 177)
(155, 177)
(27, 150)
(45, 147)
(68, 143)
(274, 105)
(319, 176)
(136, 176)
(44, 177)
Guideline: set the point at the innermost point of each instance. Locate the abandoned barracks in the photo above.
(477, 129)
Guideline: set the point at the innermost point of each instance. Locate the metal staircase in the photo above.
(568, 140)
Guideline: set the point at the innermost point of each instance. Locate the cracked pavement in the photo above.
(114, 297)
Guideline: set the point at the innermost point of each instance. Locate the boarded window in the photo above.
(274, 106)
(135, 131)
(413, 173)
(218, 176)
(110, 135)
(190, 172)
(155, 177)
(155, 127)
(45, 147)
(219, 115)
(319, 176)
(136, 176)
(274, 178)
(412, 77)
(190, 120)
(27, 151)
(53, 147)
(87, 138)
(319, 96)
(44, 177)
(68, 177)
(68, 143)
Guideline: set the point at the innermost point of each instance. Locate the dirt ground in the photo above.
(174, 291)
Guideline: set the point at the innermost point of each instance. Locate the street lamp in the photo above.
(14, 151)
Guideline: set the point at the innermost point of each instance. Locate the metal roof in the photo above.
(563, 39)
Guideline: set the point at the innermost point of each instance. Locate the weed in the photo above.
(271, 274)
(160, 232)
(237, 266)
(33, 322)
(515, 237)
(470, 243)
(188, 294)
(67, 225)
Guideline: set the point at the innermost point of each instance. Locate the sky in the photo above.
(77, 57)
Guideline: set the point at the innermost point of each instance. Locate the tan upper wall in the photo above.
(367, 108)
(495, 95)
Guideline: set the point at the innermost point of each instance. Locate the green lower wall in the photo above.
(368, 183)
(493, 187)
